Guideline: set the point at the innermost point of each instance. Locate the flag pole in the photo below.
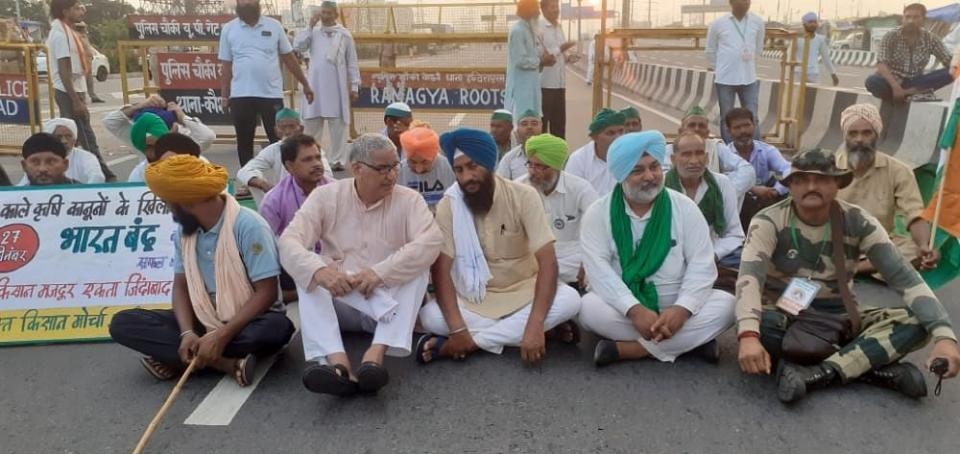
(936, 211)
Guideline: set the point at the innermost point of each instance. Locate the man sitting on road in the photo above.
(590, 161)
(226, 311)
(513, 165)
(766, 160)
(720, 159)
(789, 250)
(501, 128)
(632, 121)
(305, 172)
(650, 263)
(84, 167)
(378, 241)
(496, 277)
(267, 168)
(421, 170)
(45, 161)
(883, 186)
(712, 192)
(397, 118)
(566, 198)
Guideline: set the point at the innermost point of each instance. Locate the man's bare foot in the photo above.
(631, 350)
(567, 332)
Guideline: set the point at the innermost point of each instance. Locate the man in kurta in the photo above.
(83, 166)
(590, 161)
(421, 170)
(720, 158)
(631, 120)
(513, 165)
(525, 58)
(335, 73)
(712, 192)
(378, 241)
(883, 186)
(305, 172)
(501, 128)
(650, 263)
(789, 246)
(226, 311)
(496, 276)
(566, 198)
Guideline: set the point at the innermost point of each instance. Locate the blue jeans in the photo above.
(879, 87)
(748, 98)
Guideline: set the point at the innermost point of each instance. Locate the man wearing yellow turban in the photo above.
(421, 170)
(565, 197)
(226, 310)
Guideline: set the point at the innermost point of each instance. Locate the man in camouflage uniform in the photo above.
(783, 242)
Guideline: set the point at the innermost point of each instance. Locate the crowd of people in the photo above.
(478, 240)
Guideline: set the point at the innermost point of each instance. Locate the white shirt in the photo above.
(585, 164)
(255, 52)
(732, 237)
(818, 50)
(551, 38)
(687, 274)
(136, 175)
(61, 44)
(118, 124)
(565, 207)
(83, 167)
(733, 47)
(268, 165)
(720, 159)
(513, 165)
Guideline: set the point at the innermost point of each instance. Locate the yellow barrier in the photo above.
(21, 101)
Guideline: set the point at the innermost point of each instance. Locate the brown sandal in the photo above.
(243, 370)
(159, 370)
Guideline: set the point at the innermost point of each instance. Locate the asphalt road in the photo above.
(95, 398)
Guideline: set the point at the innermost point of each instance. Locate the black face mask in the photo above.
(248, 13)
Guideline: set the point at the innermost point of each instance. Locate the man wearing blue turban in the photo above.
(496, 278)
(650, 264)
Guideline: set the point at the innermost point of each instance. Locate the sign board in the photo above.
(72, 256)
(432, 89)
(198, 27)
(192, 80)
(13, 99)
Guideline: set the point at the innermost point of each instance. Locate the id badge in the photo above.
(746, 55)
(798, 295)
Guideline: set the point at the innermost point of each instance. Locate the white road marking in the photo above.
(123, 159)
(457, 119)
(625, 99)
(225, 400)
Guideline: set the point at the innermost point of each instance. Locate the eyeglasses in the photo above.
(384, 169)
(537, 167)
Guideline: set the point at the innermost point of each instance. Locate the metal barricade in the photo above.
(23, 97)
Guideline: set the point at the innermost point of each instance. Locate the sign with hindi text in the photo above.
(189, 70)
(201, 28)
(72, 256)
(14, 98)
(432, 89)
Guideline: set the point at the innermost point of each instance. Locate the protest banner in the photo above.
(72, 256)
(432, 89)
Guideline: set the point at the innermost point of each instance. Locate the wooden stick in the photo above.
(163, 409)
(936, 211)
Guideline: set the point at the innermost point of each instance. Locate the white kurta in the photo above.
(685, 279)
(332, 81)
(118, 124)
(83, 167)
(721, 159)
(513, 165)
(268, 165)
(585, 164)
(732, 237)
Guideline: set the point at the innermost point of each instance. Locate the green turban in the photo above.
(502, 114)
(549, 148)
(530, 113)
(287, 112)
(630, 112)
(328, 4)
(147, 124)
(695, 110)
(606, 118)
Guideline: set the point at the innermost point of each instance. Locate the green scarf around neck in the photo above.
(640, 262)
(711, 205)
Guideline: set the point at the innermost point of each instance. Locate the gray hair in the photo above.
(362, 149)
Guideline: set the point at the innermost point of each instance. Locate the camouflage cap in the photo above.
(820, 162)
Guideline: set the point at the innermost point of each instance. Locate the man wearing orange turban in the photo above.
(420, 169)
(524, 61)
(224, 253)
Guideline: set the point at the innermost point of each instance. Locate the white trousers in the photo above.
(322, 318)
(492, 334)
(336, 152)
(714, 318)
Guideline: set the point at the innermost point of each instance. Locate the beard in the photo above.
(861, 154)
(480, 201)
(545, 185)
(643, 192)
(188, 223)
(248, 13)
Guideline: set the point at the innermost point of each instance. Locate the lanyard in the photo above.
(740, 32)
(796, 244)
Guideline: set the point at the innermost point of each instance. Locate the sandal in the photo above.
(558, 333)
(606, 353)
(159, 370)
(434, 351)
(371, 377)
(243, 370)
(327, 379)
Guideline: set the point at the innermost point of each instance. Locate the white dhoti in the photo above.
(336, 151)
(493, 334)
(715, 317)
(323, 317)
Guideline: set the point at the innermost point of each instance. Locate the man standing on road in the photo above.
(69, 66)
(524, 61)
(904, 53)
(818, 50)
(334, 70)
(733, 44)
(553, 78)
(81, 29)
(251, 49)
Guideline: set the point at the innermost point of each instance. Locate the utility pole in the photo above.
(17, 8)
(625, 19)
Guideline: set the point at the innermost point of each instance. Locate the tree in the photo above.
(29, 9)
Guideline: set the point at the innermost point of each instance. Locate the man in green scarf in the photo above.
(650, 263)
(714, 194)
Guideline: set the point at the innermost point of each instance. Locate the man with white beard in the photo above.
(883, 186)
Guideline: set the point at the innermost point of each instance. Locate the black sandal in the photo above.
(327, 379)
(159, 370)
(243, 370)
(605, 353)
(371, 377)
(557, 333)
(434, 351)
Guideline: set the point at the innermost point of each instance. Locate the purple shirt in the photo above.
(765, 159)
(281, 203)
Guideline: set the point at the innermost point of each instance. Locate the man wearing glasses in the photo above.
(378, 241)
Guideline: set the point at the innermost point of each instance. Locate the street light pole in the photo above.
(17, 8)
(579, 31)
